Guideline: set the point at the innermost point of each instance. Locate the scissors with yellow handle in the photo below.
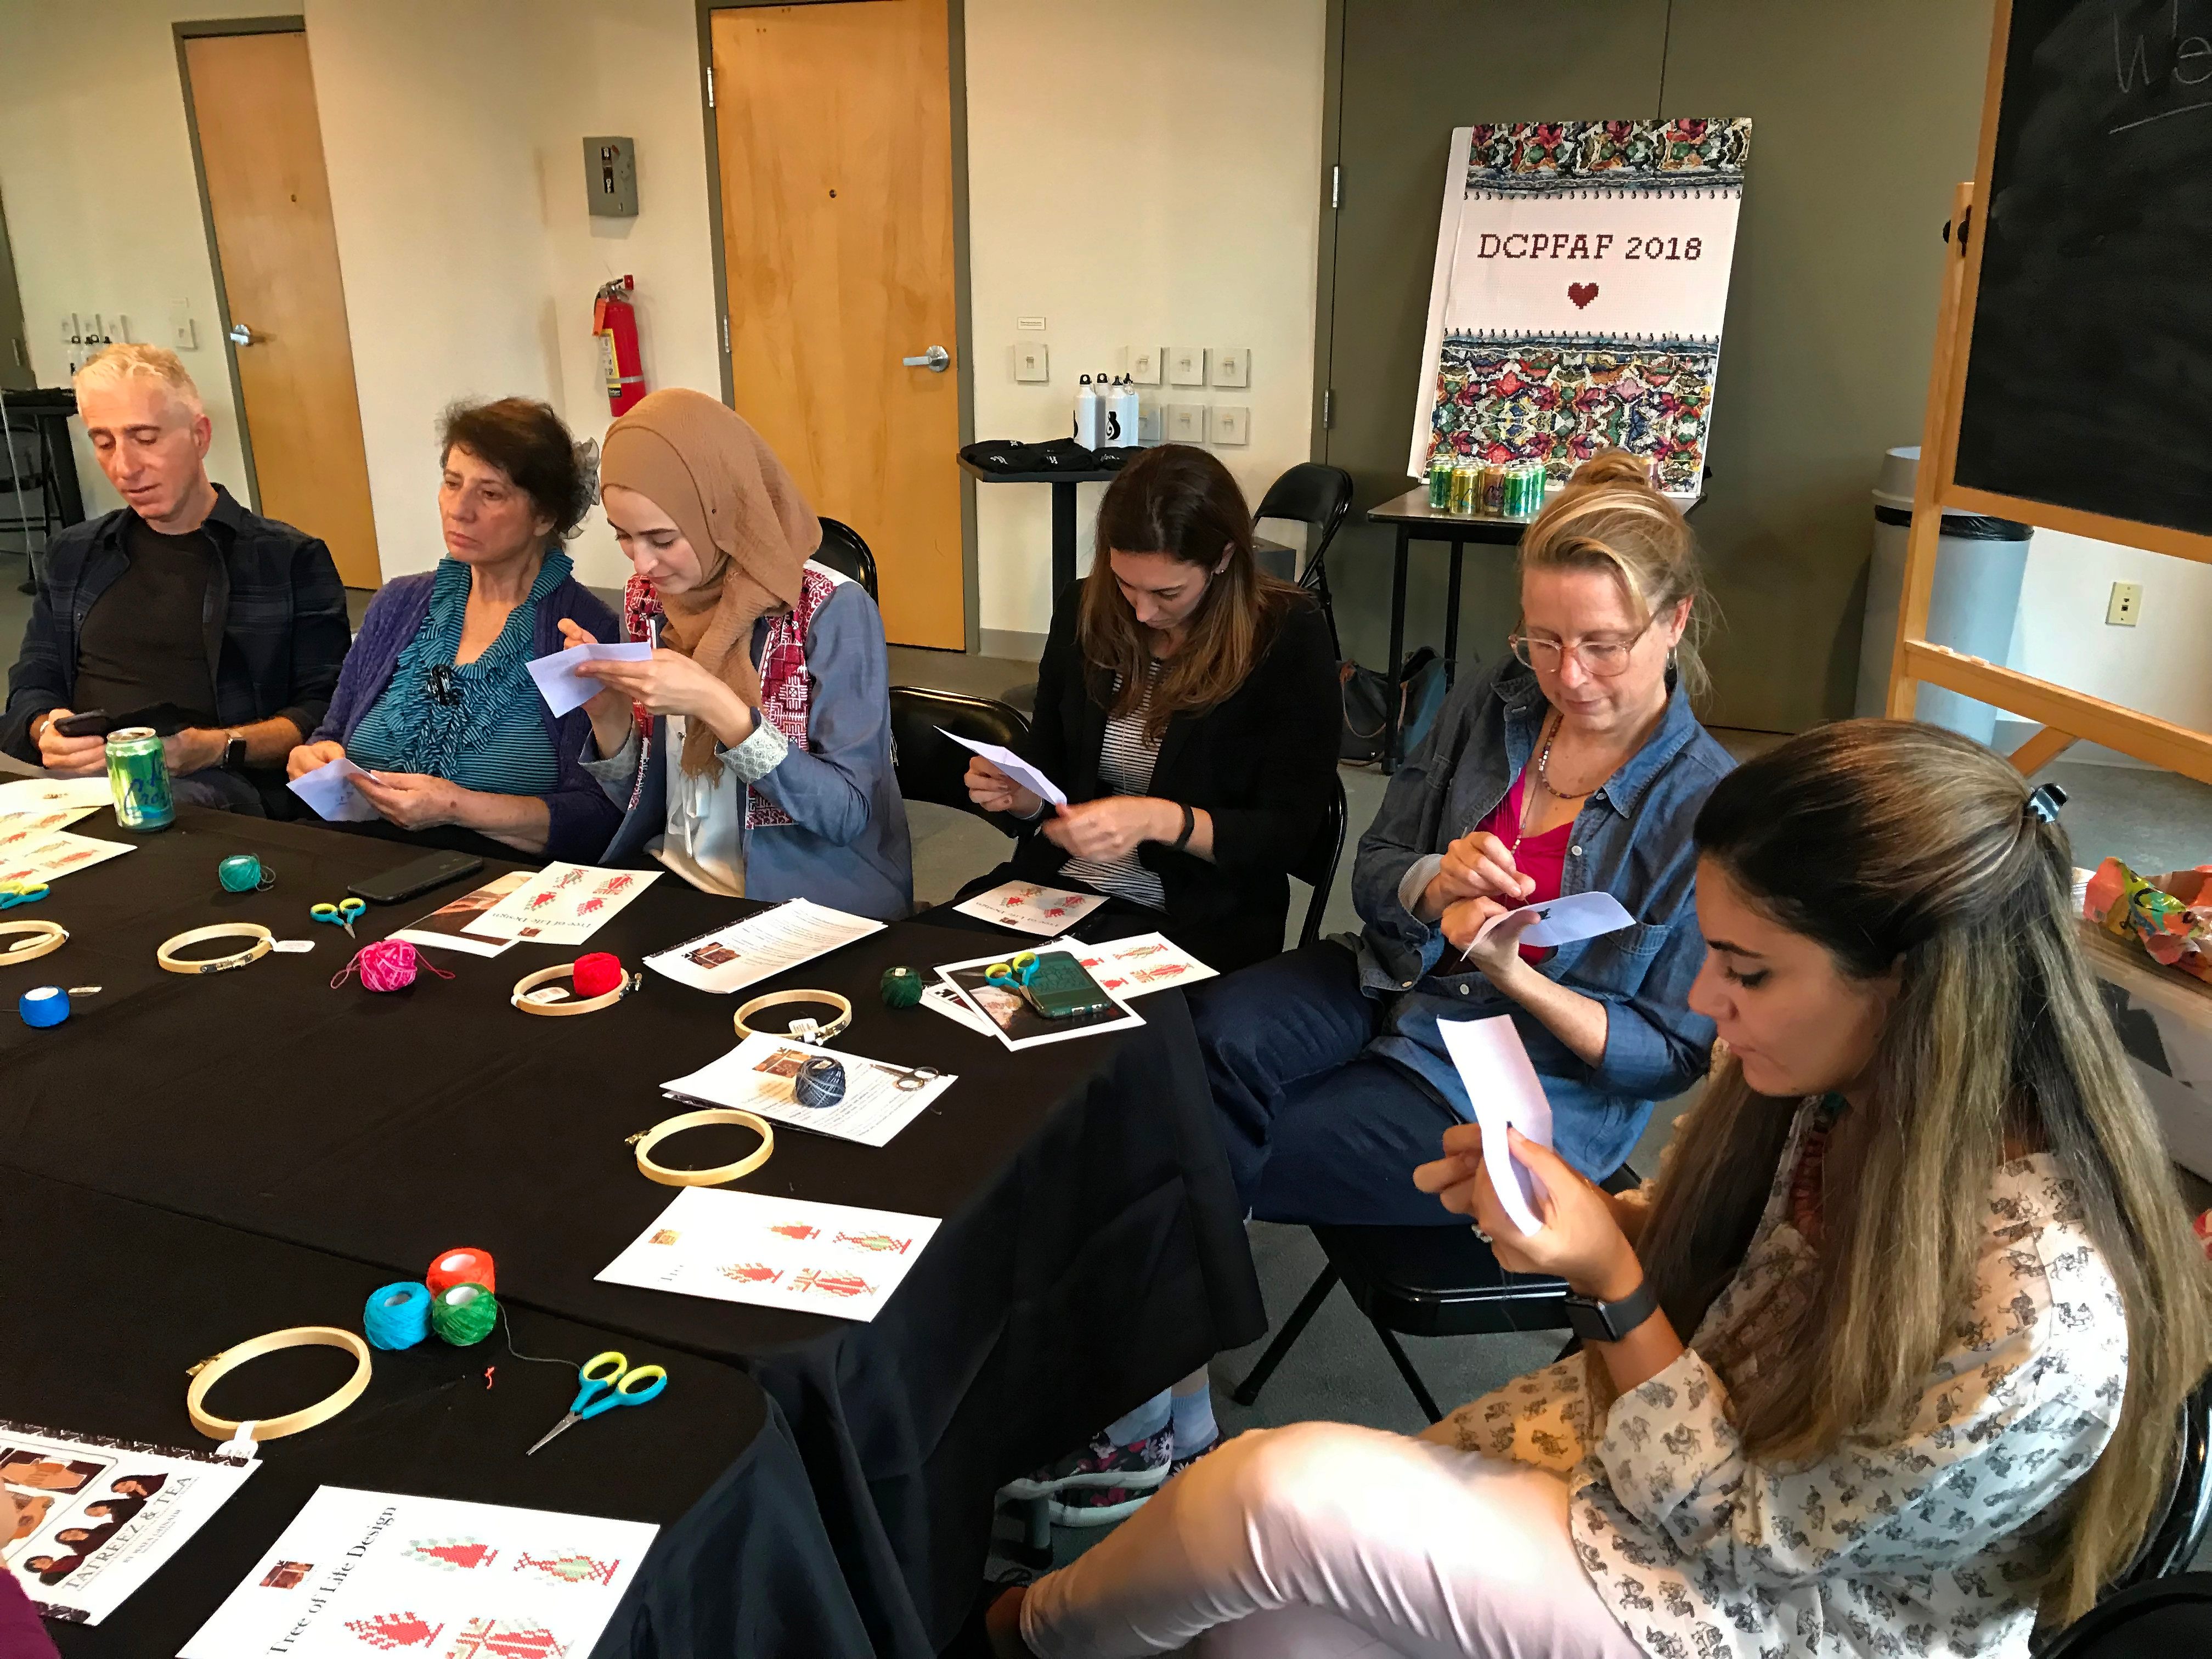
(620, 1384)
(340, 915)
(13, 893)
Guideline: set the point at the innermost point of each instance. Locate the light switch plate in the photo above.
(1033, 325)
(1229, 423)
(1143, 365)
(1185, 365)
(1150, 423)
(1031, 361)
(1232, 366)
(1186, 423)
(610, 177)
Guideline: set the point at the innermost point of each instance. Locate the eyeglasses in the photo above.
(1605, 660)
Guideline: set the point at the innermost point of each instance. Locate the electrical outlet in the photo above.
(1185, 422)
(1185, 365)
(1229, 423)
(1031, 361)
(1232, 366)
(2124, 608)
(1143, 362)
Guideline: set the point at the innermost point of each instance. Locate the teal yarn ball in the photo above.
(244, 873)
(901, 987)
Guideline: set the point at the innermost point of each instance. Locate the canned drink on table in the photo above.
(1440, 483)
(1493, 492)
(138, 777)
(1467, 498)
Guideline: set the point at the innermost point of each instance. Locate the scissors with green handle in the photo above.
(13, 893)
(620, 1386)
(340, 915)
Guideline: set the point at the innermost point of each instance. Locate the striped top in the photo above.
(1125, 766)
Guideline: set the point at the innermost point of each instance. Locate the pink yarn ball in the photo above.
(389, 964)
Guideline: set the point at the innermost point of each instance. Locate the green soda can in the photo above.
(1465, 485)
(1440, 483)
(138, 777)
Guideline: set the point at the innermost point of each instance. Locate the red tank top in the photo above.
(1542, 859)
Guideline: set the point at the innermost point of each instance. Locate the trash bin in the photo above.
(1979, 565)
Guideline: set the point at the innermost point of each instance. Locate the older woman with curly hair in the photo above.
(435, 699)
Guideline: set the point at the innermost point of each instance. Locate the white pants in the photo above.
(1322, 1541)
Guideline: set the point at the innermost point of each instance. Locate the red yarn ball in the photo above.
(390, 964)
(597, 974)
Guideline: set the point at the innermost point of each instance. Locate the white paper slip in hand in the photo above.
(1565, 921)
(1014, 767)
(329, 789)
(563, 688)
(1494, 1069)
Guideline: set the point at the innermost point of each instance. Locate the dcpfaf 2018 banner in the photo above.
(1581, 279)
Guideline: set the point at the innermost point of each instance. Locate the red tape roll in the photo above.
(462, 1266)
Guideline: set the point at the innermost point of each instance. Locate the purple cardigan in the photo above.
(584, 819)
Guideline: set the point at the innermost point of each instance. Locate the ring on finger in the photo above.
(1484, 1236)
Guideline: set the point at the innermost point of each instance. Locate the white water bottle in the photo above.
(1122, 418)
(1086, 414)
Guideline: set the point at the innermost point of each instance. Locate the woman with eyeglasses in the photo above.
(1574, 767)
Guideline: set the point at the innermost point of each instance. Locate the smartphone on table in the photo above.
(434, 870)
(1062, 988)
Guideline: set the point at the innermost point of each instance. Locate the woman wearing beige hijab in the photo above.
(752, 750)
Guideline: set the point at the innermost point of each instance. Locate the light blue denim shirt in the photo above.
(1631, 838)
(847, 845)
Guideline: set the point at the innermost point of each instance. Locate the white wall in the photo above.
(1120, 208)
(2161, 666)
(1142, 172)
(452, 138)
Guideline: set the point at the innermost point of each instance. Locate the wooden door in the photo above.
(253, 100)
(833, 123)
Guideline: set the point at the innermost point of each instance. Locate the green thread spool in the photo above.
(244, 873)
(464, 1314)
(901, 987)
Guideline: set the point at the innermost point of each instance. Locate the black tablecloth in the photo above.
(106, 1298)
(1091, 1251)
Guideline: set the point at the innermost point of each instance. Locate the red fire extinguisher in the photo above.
(614, 319)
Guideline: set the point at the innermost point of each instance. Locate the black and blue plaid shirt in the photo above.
(274, 620)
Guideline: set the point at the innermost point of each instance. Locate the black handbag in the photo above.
(1370, 699)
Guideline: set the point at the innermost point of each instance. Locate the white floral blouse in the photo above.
(1923, 1537)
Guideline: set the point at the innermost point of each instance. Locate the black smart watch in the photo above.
(1608, 1321)
(233, 750)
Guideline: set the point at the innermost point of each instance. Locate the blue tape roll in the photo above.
(397, 1316)
(48, 1005)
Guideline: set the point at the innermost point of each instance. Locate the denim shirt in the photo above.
(1631, 838)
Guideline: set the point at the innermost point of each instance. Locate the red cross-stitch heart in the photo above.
(1582, 293)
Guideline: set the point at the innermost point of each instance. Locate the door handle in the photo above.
(936, 360)
(241, 335)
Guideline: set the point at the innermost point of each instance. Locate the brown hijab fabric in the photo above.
(701, 464)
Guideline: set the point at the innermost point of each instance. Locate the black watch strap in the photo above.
(234, 751)
(1608, 1321)
(1189, 823)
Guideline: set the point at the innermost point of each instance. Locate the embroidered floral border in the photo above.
(1560, 400)
(1542, 157)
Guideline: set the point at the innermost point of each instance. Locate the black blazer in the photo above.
(1262, 763)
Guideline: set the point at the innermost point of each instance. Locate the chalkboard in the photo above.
(2089, 372)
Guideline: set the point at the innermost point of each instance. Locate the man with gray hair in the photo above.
(219, 628)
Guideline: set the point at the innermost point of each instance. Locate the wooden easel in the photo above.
(2067, 716)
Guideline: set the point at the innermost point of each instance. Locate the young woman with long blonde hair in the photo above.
(1895, 1342)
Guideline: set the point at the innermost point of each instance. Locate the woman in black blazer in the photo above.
(1187, 704)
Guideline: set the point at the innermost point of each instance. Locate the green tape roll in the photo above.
(901, 987)
(464, 1314)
